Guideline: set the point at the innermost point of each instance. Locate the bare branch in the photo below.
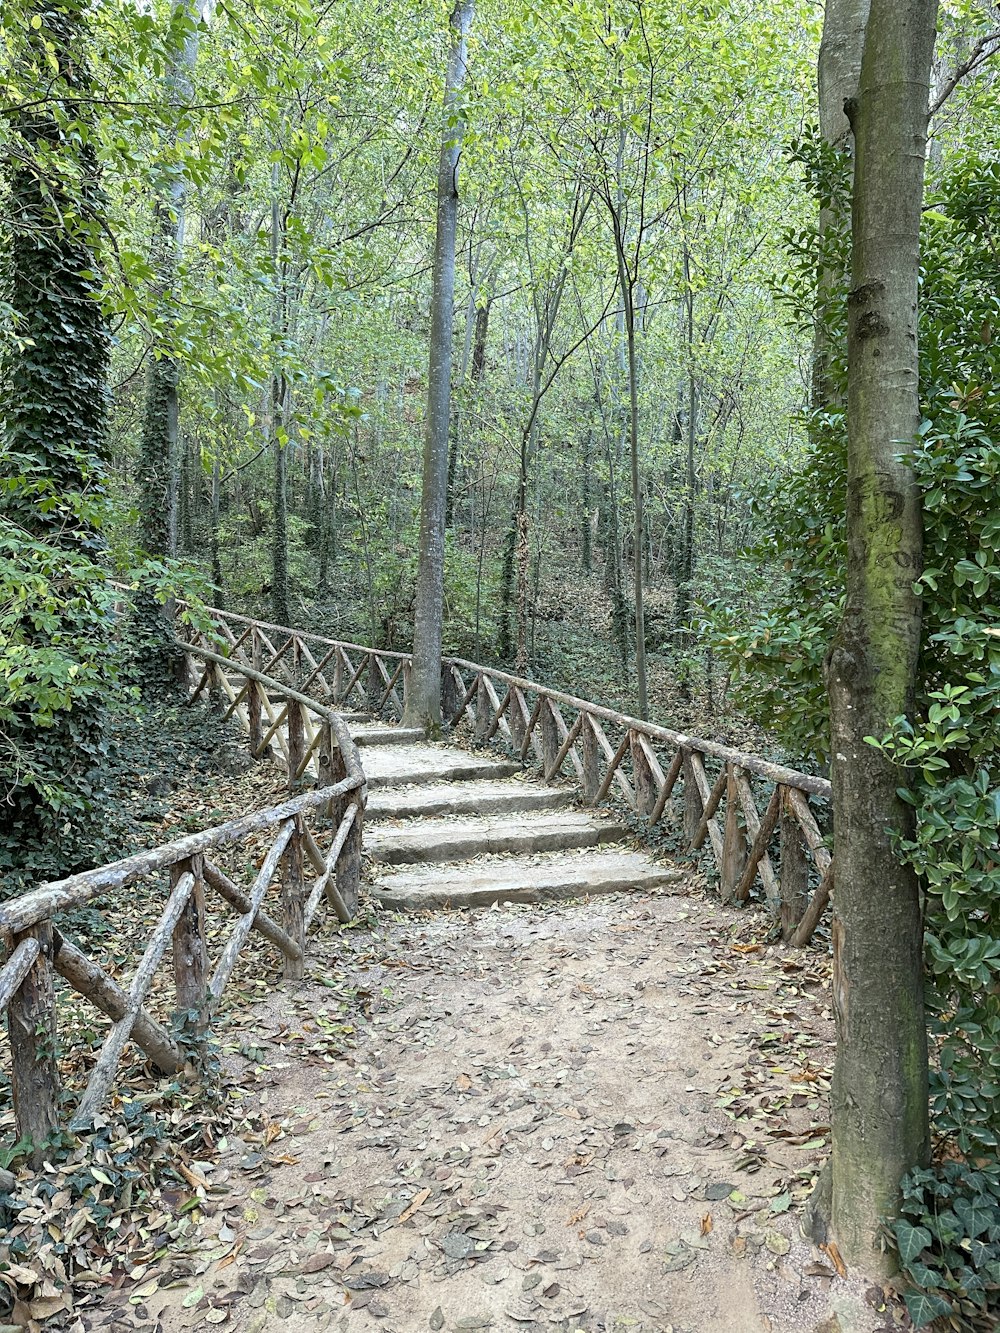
(986, 46)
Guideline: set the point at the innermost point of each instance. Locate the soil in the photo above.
(590, 1116)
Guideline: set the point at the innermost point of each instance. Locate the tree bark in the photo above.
(278, 403)
(423, 706)
(879, 1094)
(159, 459)
(838, 74)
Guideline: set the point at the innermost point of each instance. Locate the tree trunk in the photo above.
(879, 1095)
(54, 395)
(159, 458)
(220, 595)
(423, 706)
(586, 504)
(478, 329)
(278, 393)
(627, 282)
(838, 74)
(280, 608)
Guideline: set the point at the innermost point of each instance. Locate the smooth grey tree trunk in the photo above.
(839, 70)
(879, 1093)
(423, 703)
(159, 459)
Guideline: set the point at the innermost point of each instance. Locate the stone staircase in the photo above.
(449, 828)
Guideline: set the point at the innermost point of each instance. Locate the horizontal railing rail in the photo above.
(312, 740)
(756, 816)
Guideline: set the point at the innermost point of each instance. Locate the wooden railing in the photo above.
(305, 733)
(722, 791)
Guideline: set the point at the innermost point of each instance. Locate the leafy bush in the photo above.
(948, 1238)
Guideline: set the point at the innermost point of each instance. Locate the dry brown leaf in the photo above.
(706, 1224)
(579, 1215)
(463, 1083)
(317, 1262)
(831, 1250)
(818, 1270)
(418, 1202)
(192, 1177)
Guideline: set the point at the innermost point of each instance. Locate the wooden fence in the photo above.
(304, 732)
(757, 817)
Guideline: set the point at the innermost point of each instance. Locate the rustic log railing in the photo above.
(305, 733)
(605, 751)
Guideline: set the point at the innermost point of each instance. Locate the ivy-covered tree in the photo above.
(54, 607)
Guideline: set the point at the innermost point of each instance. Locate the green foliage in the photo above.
(948, 1239)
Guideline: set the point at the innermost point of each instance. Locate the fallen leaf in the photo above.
(706, 1224)
(831, 1250)
(317, 1262)
(418, 1202)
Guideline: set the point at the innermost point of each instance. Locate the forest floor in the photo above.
(587, 1116)
(598, 1116)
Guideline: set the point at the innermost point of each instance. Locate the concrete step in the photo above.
(521, 879)
(406, 765)
(466, 798)
(436, 840)
(374, 734)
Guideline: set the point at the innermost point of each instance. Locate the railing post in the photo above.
(31, 1024)
(642, 777)
(450, 698)
(482, 710)
(256, 732)
(591, 761)
(734, 846)
(516, 719)
(407, 669)
(692, 801)
(338, 676)
(296, 741)
(190, 952)
(374, 682)
(349, 864)
(550, 739)
(293, 901)
(297, 673)
(325, 752)
(794, 878)
(215, 692)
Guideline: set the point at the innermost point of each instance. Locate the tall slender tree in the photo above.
(423, 707)
(880, 1112)
(158, 453)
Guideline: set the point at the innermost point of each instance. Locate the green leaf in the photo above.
(912, 1241)
(925, 1308)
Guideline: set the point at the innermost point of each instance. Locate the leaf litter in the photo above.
(506, 1119)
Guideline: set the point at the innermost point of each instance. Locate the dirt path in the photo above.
(527, 1134)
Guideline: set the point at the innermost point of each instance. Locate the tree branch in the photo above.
(986, 46)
